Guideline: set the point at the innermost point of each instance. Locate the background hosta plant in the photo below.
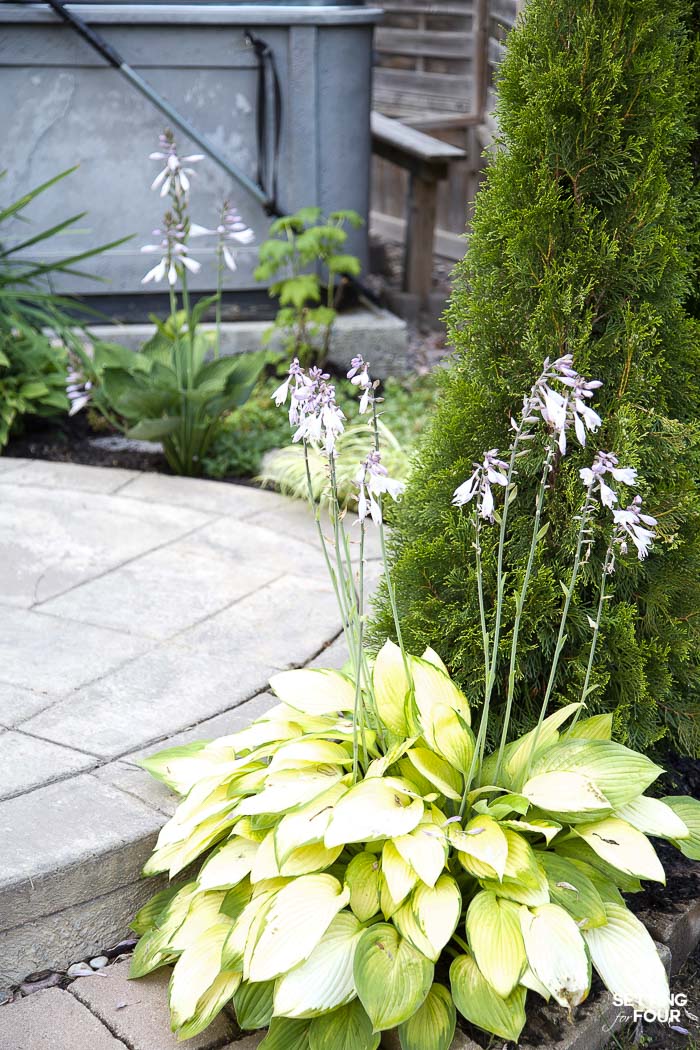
(369, 862)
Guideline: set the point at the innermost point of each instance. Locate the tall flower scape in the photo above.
(368, 862)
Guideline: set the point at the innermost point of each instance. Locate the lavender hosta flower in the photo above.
(174, 253)
(593, 477)
(373, 482)
(78, 391)
(174, 175)
(359, 376)
(632, 524)
(492, 471)
(231, 231)
(313, 409)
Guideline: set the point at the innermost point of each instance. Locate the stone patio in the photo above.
(139, 611)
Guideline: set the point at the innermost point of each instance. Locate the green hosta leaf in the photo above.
(572, 890)
(623, 847)
(438, 771)
(432, 1026)
(688, 810)
(653, 817)
(253, 1004)
(231, 863)
(287, 1034)
(306, 825)
(619, 773)
(152, 951)
(626, 958)
(425, 849)
(524, 881)
(556, 953)
(296, 920)
(374, 809)
(493, 929)
(503, 806)
(315, 692)
(598, 727)
(569, 795)
(549, 829)
(210, 1004)
(392, 978)
(482, 841)
(362, 879)
(325, 980)
(146, 918)
(348, 1028)
(400, 876)
(33, 389)
(155, 429)
(303, 861)
(437, 911)
(391, 688)
(195, 972)
(478, 1001)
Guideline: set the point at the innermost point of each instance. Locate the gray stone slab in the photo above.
(296, 518)
(335, 655)
(679, 930)
(52, 1020)
(281, 550)
(8, 463)
(47, 654)
(69, 842)
(390, 1041)
(75, 477)
(284, 624)
(133, 780)
(168, 689)
(26, 762)
(248, 1042)
(137, 1011)
(163, 592)
(18, 704)
(211, 497)
(52, 541)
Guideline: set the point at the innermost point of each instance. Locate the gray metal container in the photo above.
(61, 104)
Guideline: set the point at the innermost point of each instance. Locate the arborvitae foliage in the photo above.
(582, 242)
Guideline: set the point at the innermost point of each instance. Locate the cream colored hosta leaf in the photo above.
(183, 767)
(528, 980)
(314, 752)
(210, 1004)
(307, 824)
(302, 861)
(347, 1028)
(549, 829)
(438, 771)
(576, 849)
(432, 1026)
(432, 686)
(391, 688)
(154, 913)
(570, 795)
(573, 890)
(493, 929)
(362, 879)
(431, 657)
(173, 858)
(479, 1002)
(626, 958)
(523, 881)
(425, 849)
(598, 727)
(290, 788)
(325, 980)
(624, 847)
(400, 876)
(195, 972)
(484, 841)
(619, 773)
(379, 766)
(314, 692)
(298, 916)
(207, 799)
(234, 950)
(253, 1004)
(688, 810)
(231, 863)
(448, 732)
(204, 912)
(523, 750)
(374, 809)
(264, 731)
(653, 817)
(391, 977)
(437, 912)
(556, 953)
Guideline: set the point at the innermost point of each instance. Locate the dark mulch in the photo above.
(71, 440)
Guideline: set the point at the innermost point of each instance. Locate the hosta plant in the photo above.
(367, 860)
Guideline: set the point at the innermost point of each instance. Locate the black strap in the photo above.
(267, 166)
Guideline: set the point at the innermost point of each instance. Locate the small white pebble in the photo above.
(80, 969)
(99, 962)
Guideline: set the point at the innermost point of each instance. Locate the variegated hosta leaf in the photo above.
(348, 1028)
(598, 727)
(287, 1034)
(450, 735)
(210, 1004)
(295, 922)
(236, 900)
(432, 686)
(688, 810)
(234, 950)
(483, 841)
(523, 881)
(391, 688)
(556, 953)
(391, 977)
(425, 849)
(362, 879)
(290, 788)
(436, 911)
(315, 692)
(431, 657)
(325, 980)
(147, 917)
(302, 861)
(493, 929)
(503, 806)
(623, 847)
(606, 887)
(432, 1026)
(204, 912)
(183, 767)
(438, 771)
(231, 863)
(567, 794)
(549, 829)
(626, 958)
(572, 890)
(253, 1004)
(312, 752)
(195, 972)
(651, 816)
(579, 851)
(374, 809)
(524, 750)
(307, 824)
(400, 876)
(479, 1002)
(379, 767)
(155, 949)
(619, 773)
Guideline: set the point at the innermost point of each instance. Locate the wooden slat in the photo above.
(496, 52)
(438, 91)
(425, 148)
(505, 11)
(425, 43)
(430, 7)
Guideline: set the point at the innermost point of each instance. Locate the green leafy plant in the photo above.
(582, 242)
(371, 862)
(303, 252)
(36, 329)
